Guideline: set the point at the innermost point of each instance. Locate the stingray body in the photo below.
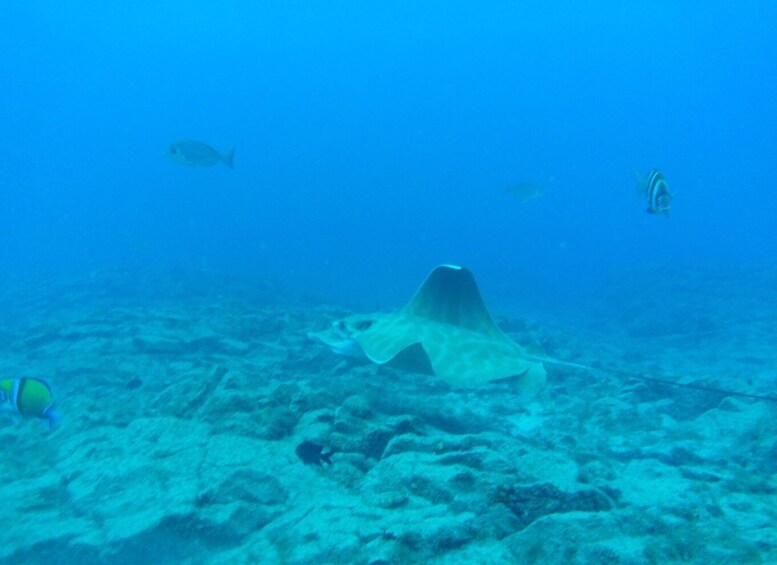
(445, 331)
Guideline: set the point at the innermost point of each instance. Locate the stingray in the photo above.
(445, 331)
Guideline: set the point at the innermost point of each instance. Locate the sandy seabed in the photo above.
(184, 401)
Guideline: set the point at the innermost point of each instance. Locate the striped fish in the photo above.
(655, 189)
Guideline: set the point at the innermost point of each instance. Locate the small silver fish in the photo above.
(196, 153)
(656, 191)
(525, 191)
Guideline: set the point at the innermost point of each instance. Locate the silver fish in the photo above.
(655, 189)
(525, 191)
(196, 153)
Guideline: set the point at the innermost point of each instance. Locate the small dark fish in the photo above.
(655, 189)
(196, 153)
(132, 384)
(312, 453)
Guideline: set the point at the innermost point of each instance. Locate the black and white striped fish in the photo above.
(655, 189)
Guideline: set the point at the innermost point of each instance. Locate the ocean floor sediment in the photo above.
(183, 404)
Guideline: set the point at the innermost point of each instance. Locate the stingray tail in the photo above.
(553, 361)
(666, 381)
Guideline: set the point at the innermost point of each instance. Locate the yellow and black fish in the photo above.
(655, 189)
(29, 397)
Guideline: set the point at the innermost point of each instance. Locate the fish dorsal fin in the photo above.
(450, 295)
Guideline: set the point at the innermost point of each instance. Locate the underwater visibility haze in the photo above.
(213, 221)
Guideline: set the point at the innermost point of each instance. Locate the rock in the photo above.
(375, 442)
(574, 538)
(534, 501)
(358, 406)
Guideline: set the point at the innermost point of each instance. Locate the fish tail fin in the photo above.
(54, 418)
(227, 157)
(641, 183)
(10, 414)
(327, 456)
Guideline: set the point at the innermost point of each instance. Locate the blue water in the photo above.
(375, 141)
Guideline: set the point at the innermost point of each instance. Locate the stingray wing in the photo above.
(383, 339)
(454, 354)
(445, 330)
(450, 295)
